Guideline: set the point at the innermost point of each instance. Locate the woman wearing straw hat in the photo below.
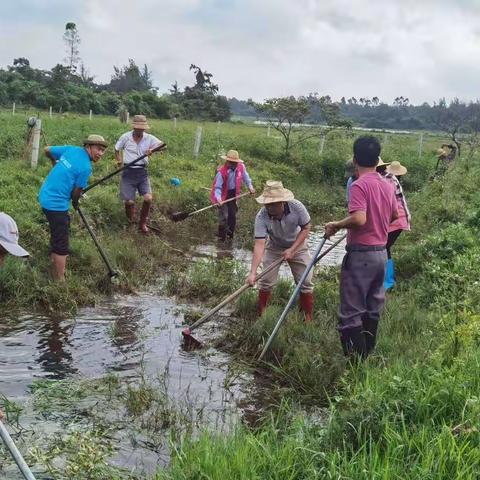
(392, 171)
(134, 144)
(227, 184)
(282, 227)
(66, 181)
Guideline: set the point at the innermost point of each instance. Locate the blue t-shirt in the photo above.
(72, 170)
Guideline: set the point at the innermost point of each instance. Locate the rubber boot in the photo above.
(370, 328)
(144, 217)
(263, 299)
(353, 343)
(130, 212)
(389, 281)
(306, 305)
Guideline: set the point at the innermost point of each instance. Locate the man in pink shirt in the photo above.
(372, 207)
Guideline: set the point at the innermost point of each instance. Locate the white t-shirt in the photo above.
(133, 150)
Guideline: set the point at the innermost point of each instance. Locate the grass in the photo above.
(411, 411)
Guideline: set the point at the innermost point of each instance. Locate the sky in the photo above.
(420, 49)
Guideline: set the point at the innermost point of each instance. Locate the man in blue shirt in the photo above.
(66, 181)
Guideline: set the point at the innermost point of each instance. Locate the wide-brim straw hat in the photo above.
(95, 140)
(232, 156)
(140, 122)
(381, 163)
(397, 169)
(274, 192)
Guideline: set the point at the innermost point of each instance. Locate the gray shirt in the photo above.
(282, 233)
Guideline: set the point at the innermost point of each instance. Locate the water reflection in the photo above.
(55, 358)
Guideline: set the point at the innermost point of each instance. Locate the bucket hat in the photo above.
(140, 122)
(95, 140)
(9, 236)
(274, 191)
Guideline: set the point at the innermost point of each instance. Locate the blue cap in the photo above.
(175, 181)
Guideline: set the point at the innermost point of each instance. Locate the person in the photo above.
(392, 171)
(9, 238)
(227, 184)
(282, 227)
(134, 144)
(351, 176)
(372, 207)
(65, 182)
(9, 245)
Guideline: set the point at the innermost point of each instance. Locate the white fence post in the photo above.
(385, 138)
(198, 142)
(420, 146)
(13, 108)
(268, 130)
(36, 142)
(128, 117)
(322, 144)
(175, 123)
(50, 112)
(90, 115)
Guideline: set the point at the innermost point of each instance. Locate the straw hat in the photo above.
(232, 156)
(140, 122)
(381, 163)
(95, 140)
(274, 192)
(397, 169)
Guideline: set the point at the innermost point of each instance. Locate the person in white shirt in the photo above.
(134, 144)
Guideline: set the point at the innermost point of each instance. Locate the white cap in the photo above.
(9, 236)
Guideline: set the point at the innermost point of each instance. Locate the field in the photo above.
(411, 411)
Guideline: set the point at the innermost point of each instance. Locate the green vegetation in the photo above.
(411, 411)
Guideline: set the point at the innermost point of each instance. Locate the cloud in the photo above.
(421, 50)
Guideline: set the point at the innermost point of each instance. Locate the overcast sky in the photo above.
(421, 49)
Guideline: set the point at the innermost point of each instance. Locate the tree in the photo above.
(129, 78)
(288, 114)
(71, 38)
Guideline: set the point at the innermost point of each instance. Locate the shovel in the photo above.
(179, 216)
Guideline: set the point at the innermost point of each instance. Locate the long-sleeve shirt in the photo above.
(230, 182)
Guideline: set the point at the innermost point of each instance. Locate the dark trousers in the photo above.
(392, 238)
(227, 216)
(362, 295)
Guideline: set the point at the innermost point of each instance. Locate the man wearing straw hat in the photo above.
(66, 181)
(282, 227)
(371, 207)
(134, 144)
(227, 184)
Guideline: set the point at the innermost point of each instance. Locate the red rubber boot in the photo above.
(306, 305)
(263, 298)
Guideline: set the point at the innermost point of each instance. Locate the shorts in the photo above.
(134, 179)
(59, 223)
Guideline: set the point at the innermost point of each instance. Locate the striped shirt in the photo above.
(283, 232)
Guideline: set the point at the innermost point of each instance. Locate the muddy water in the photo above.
(126, 336)
(130, 336)
(243, 255)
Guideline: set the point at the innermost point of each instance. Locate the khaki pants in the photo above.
(297, 266)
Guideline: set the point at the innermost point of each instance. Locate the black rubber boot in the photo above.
(370, 328)
(353, 343)
(222, 232)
